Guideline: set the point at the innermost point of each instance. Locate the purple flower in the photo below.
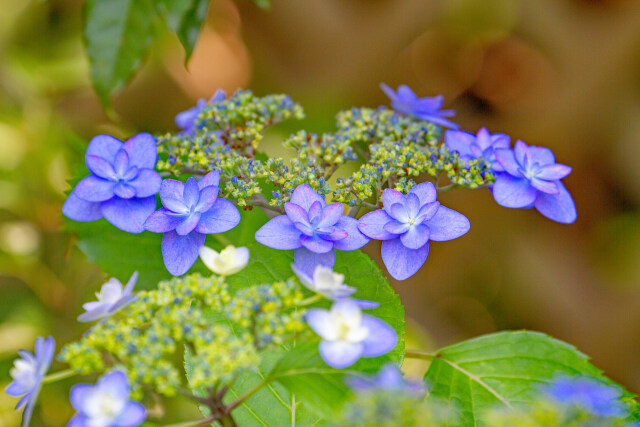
(407, 223)
(471, 146)
(122, 184)
(347, 334)
(405, 101)
(313, 228)
(111, 298)
(389, 378)
(106, 404)
(532, 178)
(190, 211)
(593, 395)
(186, 119)
(27, 374)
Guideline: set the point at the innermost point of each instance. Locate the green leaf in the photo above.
(185, 18)
(262, 4)
(501, 370)
(117, 34)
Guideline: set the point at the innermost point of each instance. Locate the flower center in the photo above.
(104, 406)
(24, 373)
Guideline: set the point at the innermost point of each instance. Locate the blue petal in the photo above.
(304, 196)
(307, 261)
(372, 225)
(191, 193)
(520, 152)
(402, 262)
(181, 252)
(114, 383)
(541, 155)
(425, 191)
(340, 354)
(437, 118)
(506, 158)
(512, 192)
(396, 227)
(355, 239)
(416, 237)
(128, 214)
(208, 197)
(558, 207)
(171, 195)
(460, 141)
(142, 151)
(331, 214)
(101, 167)
(94, 189)
(147, 183)
(390, 197)
(132, 415)
(121, 162)
(427, 212)
(388, 91)
(296, 213)
(28, 410)
(412, 204)
(162, 221)
(210, 179)
(315, 212)
(548, 187)
(317, 244)
(99, 312)
(104, 146)
(447, 224)
(553, 172)
(188, 224)
(382, 338)
(124, 190)
(319, 321)
(81, 210)
(77, 420)
(279, 233)
(222, 216)
(78, 395)
(44, 349)
(399, 212)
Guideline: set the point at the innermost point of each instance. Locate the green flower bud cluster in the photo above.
(388, 408)
(394, 149)
(222, 332)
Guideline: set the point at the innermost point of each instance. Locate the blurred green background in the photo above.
(559, 73)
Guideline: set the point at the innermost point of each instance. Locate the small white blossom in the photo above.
(226, 262)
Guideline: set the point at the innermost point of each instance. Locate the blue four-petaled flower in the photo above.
(106, 404)
(28, 373)
(186, 119)
(111, 298)
(589, 393)
(405, 101)
(407, 224)
(483, 144)
(531, 178)
(122, 184)
(313, 228)
(190, 211)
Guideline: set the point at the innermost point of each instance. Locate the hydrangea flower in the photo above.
(348, 334)
(122, 184)
(190, 211)
(106, 403)
(405, 101)
(28, 373)
(186, 119)
(532, 178)
(228, 261)
(313, 228)
(483, 144)
(389, 378)
(325, 282)
(111, 298)
(407, 224)
(593, 395)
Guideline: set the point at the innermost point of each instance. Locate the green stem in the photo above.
(446, 188)
(222, 240)
(200, 422)
(310, 300)
(248, 394)
(58, 376)
(416, 354)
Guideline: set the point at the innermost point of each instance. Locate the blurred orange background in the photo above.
(559, 73)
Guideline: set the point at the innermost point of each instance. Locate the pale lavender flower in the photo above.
(405, 101)
(111, 298)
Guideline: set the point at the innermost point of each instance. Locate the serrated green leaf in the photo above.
(117, 34)
(501, 370)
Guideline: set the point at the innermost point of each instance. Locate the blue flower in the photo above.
(111, 298)
(190, 211)
(389, 378)
(532, 178)
(483, 144)
(186, 119)
(405, 101)
(27, 374)
(313, 228)
(106, 403)
(593, 395)
(348, 334)
(407, 223)
(122, 184)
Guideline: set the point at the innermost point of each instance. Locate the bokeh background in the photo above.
(559, 73)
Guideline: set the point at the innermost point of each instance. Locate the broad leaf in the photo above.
(185, 18)
(501, 370)
(118, 34)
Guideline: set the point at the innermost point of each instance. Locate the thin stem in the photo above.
(58, 376)
(446, 188)
(416, 354)
(222, 240)
(360, 151)
(200, 422)
(247, 394)
(310, 300)
(353, 211)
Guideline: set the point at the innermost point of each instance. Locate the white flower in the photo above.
(229, 261)
(325, 282)
(111, 298)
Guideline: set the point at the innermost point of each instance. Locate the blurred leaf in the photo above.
(185, 18)
(502, 369)
(262, 4)
(118, 34)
